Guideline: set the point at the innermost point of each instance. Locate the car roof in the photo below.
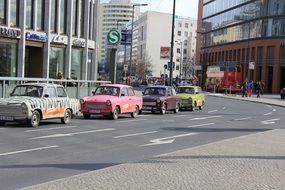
(187, 86)
(116, 85)
(158, 86)
(40, 84)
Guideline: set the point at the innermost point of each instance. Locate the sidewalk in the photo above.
(224, 165)
(273, 100)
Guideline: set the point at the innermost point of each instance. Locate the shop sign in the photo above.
(79, 43)
(59, 39)
(36, 37)
(10, 32)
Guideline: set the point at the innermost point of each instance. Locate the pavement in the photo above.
(255, 161)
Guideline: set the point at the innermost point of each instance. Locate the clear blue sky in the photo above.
(185, 8)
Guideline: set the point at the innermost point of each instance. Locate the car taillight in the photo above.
(82, 101)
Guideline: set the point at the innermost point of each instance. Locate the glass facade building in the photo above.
(39, 38)
(244, 31)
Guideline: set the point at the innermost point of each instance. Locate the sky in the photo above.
(184, 8)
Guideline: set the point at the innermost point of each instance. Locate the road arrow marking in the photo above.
(71, 134)
(167, 140)
(28, 150)
(269, 122)
(203, 118)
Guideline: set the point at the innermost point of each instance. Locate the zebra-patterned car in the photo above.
(33, 102)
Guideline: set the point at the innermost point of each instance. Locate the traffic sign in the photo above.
(113, 37)
(125, 67)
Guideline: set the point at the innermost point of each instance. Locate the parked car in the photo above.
(161, 98)
(33, 102)
(111, 100)
(192, 97)
(282, 93)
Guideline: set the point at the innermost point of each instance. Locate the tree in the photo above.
(144, 66)
(188, 67)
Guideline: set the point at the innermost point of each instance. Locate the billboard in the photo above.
(164, 52)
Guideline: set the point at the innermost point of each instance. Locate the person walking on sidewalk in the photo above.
(244, 89)
(258, 89)
(249, 88)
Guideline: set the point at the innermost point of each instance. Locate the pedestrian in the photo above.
(250, 88)
(244, 89)
(262, 87)
(258, 89)
(59, 76)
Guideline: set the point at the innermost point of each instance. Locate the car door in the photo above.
(124, 101)
(176, 98)
(50, 97)
(170, 99)
(62, 100)
(132, 99)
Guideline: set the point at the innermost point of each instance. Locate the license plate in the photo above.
(6, 118)
(94, 111)
(146, 108)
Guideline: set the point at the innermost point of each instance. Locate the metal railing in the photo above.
(74, 88)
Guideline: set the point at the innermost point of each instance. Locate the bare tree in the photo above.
(144, 66)
(188, 67)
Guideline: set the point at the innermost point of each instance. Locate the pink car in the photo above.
(111, 100)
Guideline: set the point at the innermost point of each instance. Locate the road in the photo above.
(30, 156)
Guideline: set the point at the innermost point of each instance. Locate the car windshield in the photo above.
(155, 91)
(26, 90)
(107, 90)
(186, 90)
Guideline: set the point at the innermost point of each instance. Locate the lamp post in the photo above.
(172, 44)
(132, 30)
(204, 57)
(181, 56)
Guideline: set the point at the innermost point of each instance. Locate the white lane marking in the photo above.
(274, 110)
(165, 120)
(144, 115)
(47, 129)
(126, 121)
(269, 106)
(224, 108)
(212, 111)
(206, 124)
(269, 122)
(241, 119)
(203, 118)
(167, 140)
(135, 134)
(270, 113)
(28, 150)
(179, 116)
(72, 134)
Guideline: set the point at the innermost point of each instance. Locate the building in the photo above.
(247, 32)
(153, 42)
(39, 38)
(115, 14)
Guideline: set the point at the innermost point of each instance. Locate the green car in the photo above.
(192, 97)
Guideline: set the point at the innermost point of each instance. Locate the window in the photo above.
(2, 12)
(184, 51)
(178, 50)
(14, 5)
(179, 33)
(186, 25)
(91, 13)
(81, 18)
(124, 92)
(56, 60)
(131, 92)
(76, 64)
(74, 18)
(186, 34)
(40, 15)
(179, 24)
(61, 92)
(177, 68)
(53, 16)
(89, 65)
(29, 14)
(62, 23)
(8, 60)
(50, 91)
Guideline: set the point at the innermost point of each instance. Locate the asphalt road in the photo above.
(30, 156)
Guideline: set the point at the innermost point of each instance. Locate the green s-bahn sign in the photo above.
(113, 37)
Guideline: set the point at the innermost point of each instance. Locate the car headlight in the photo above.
(82, 101)
(108, 103)
(158, 101)
(190, 99)
(24, 106)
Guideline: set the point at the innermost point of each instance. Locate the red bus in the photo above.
(223, 80)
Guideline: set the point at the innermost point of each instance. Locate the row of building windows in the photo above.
(118, 11)
(118, 6)
(186, 25)
(185, 33)
(272, 27)
(249, 11)
(220, 5)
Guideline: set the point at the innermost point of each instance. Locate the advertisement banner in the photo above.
(164, 52)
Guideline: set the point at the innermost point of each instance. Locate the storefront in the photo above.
(77, 58)
(8, 51)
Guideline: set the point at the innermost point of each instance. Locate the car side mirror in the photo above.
(123, 94)
(46, 95)
(143, 93)
(93, 92)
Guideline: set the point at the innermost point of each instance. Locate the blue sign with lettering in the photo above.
(36, 37)
(169, 65)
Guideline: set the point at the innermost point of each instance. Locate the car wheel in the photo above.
(67, 117)
(140, 112)
(135, 112)
(116, 113)
(35, 119)
(282, 96)
(201, 107)
(86, 116)
(2, 123)
(177, 107)
(163, 109)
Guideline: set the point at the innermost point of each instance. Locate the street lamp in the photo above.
(172, 44)
(132, 30)
(181, 55)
